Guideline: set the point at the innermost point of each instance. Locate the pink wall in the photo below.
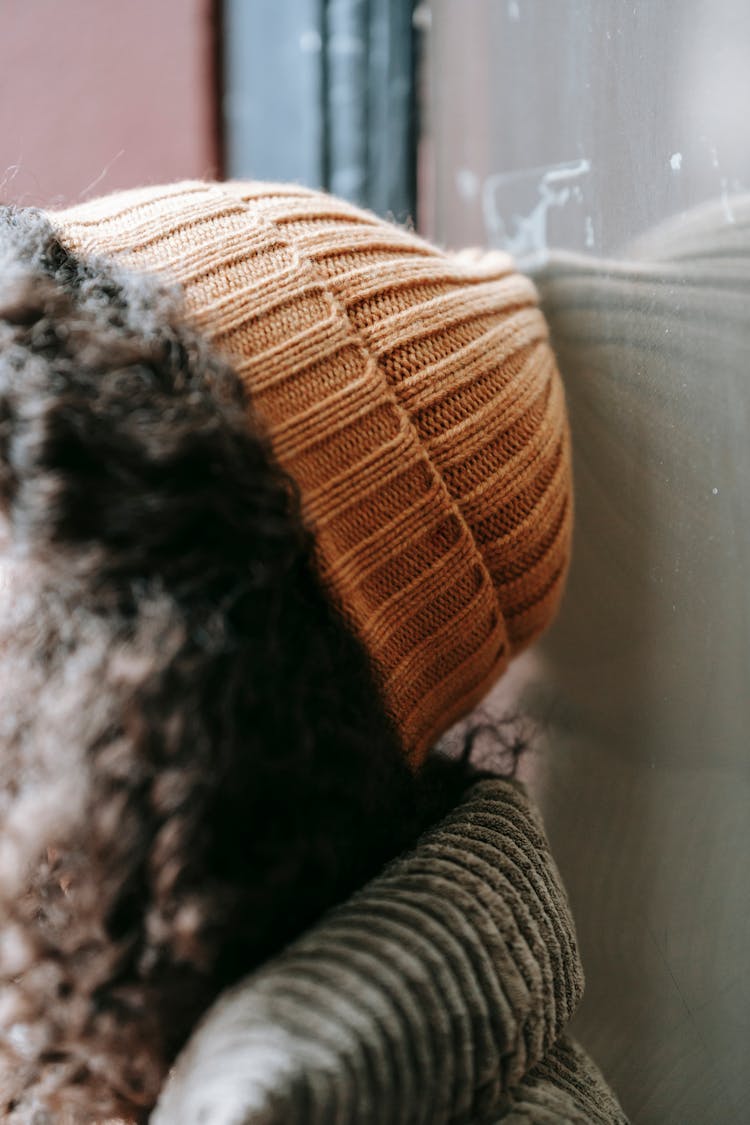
(104, 94)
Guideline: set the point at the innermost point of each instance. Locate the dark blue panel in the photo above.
(322, 92)
(273, 82)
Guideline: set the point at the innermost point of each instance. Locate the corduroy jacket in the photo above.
(440, 993)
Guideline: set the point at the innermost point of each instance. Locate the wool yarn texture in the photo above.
(413, 396)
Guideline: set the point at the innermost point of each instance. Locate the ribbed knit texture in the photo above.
(438, 994)
(414, 398)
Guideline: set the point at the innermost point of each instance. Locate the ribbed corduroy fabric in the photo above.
(438, 994)
(412, 395)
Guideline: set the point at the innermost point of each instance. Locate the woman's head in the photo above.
(262, 540)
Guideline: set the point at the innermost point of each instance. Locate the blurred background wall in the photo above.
(103, 94)
(97, 95)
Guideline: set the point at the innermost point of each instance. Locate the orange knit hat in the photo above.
(413, 397)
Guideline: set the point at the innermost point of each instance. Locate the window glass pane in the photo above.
(580, 123)
(604, 143)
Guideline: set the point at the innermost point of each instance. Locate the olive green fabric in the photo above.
(439, 993)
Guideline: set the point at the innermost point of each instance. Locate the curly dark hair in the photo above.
(194, 758)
